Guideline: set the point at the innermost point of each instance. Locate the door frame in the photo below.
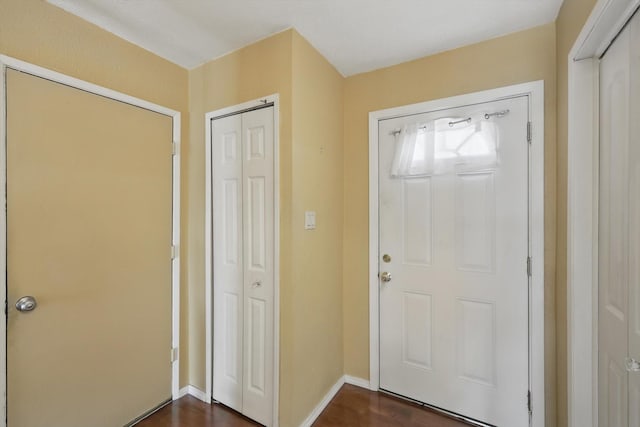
(7, 62)
(607, 19)
(535, 92)
(208, 227)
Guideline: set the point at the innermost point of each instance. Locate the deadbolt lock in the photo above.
(386, 258)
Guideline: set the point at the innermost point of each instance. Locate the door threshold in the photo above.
(446, 413)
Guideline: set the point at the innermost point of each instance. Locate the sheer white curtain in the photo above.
(444, 145)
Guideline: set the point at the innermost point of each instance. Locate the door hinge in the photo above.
(174, 251)
(529, 266)
(529, 404)
(174, 354)
(529, 132)
(174, 148)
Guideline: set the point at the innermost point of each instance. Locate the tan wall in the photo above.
(569, 23)
(311, 179)
(516, 58)
(312, 321)
(36, 32)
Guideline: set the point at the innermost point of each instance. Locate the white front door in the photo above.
(243, 262)
(619, 233)
(454, 242)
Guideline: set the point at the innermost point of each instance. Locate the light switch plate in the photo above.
(310, 220)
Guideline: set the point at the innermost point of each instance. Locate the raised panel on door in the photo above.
(475, 222)
(476, 346)
(256, 347)
(613, 245)
(258, 220)
(454, 317)
(417, 229)
(417, 330)
(89, 216)
(256, 224)
(228, 271)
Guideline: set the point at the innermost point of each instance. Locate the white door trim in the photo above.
(208, 276)
(15, 64)
(535, 91)
(607, 18)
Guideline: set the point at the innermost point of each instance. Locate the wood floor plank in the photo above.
(351, 407)
(357, 407)
(191, 412)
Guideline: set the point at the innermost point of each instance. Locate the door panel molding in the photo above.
(535, 92)
(37, 71)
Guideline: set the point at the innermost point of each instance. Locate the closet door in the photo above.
(257, 134)
(243, 262)
(228, 266)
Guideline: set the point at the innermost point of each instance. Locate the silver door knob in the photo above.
(633, 365)
(385, 276)
(26, 303)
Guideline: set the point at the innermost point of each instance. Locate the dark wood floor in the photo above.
(191, 412)
(355, 407)
(352, 407)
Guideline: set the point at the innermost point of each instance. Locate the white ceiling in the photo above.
(354, 35)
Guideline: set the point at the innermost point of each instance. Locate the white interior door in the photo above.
(619, 233)
(454, 244)
(243, 262)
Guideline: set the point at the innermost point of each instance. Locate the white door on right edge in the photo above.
(619, 233)
(454, 241)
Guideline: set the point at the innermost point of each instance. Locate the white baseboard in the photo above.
(183, 392)
(195, 392)
(359, 382)
(323, 403)
(346, 379)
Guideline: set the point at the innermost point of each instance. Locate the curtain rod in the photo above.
(487, 116)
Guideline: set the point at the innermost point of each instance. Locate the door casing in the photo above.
(535, 92)
(607, 18)
(15, 64)
(275, 100)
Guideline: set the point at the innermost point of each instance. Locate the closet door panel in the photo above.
(258, 160)
(228, 262)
